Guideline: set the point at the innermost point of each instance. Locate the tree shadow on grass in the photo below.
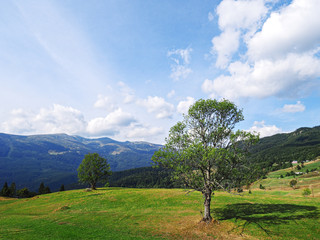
(264, 215)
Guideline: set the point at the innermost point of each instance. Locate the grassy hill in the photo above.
(278, 212)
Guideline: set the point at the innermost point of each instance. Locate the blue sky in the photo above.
(129, 69)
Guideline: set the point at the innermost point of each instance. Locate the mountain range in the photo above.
(54, 159)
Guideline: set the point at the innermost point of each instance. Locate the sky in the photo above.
(129, 70)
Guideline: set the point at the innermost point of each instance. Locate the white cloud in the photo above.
(225, 46)
(183, 106)
(159, 106)
(104, 102)
(294, 29)
(236, 18)
(282, 58)
(142, 132)
(126, 92)
(181, 59)
(293, 108)
(111, 124)
(59, 119)
(179, 72)
(292, 76)
(264, 130)
(183, 54)
(243, 14)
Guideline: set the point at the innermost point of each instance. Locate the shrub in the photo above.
(306, 192)
(25, 193)
(293, 183)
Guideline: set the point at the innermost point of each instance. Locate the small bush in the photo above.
(306, 192)
(293, 183)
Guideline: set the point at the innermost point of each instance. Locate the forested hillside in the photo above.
(278, 151)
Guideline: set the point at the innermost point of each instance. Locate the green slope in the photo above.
(122, 213)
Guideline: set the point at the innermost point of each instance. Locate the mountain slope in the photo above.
(278, 151)
(53, 159)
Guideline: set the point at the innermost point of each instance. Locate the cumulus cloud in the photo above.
(292, 76)
(181, 59)
(293, 29)
(159, 106)
(111, 124)
(293, 108)
(104, 102)
(225, 46)
(59, 119)
(142, 132)
(264, 130)
(183, 106)
(282, 57)
(235, 18)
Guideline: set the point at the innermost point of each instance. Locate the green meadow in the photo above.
(278, 212)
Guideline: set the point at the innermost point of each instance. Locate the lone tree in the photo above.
(93, 169)
(204, 151)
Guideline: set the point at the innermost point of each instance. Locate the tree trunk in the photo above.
(93, 186)
(207, 200)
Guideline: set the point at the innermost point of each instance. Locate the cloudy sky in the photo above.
(129, 69)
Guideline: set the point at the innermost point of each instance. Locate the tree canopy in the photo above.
(204, 151)
(93, 169)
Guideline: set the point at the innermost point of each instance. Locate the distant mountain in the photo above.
(54, 159)
(278, 151)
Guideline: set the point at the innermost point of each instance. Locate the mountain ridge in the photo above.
(54, 158)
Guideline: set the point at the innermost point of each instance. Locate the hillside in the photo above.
(53, 159)
(127, 213)
(278, 151)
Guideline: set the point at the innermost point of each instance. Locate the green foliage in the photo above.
(47, 190)
(5, 191)
(146, 177)
(278, 151)
(25, 193)
(62, 188)
(12, 190)
(42, 188)
(293, 183)
(93, 169)
(306, 192)
(204, 152)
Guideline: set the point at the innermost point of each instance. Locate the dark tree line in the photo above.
(12, 192)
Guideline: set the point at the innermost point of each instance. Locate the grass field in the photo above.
(279, 212)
